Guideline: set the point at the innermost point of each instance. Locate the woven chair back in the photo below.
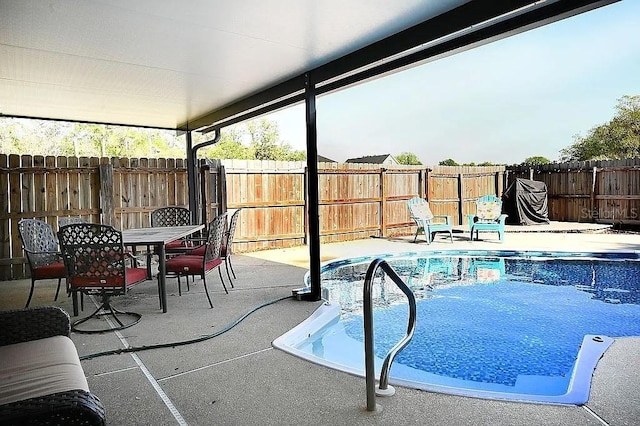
(215, 236)
(94, 255)
(171, 216)
(39, 242)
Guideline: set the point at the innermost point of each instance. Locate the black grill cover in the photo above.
(525, 201)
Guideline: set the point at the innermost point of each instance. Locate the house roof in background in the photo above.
(371, 159)
(322, 159)
(187, 65)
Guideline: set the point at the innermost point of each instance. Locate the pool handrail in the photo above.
(383, 386)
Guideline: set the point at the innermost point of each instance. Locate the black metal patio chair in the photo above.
(41, 248)
(203, 259)
(95, 260)
(227, 248)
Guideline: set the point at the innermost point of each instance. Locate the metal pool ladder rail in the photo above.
(383, 388)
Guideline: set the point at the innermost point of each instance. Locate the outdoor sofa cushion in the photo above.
(39, 367)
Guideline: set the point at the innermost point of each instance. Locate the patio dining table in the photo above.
(158, 237)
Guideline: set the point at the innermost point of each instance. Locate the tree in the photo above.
(230, 145)
(408, 158)
(258, 139)
(265, 141)
(535, 160)
(448, 162)
(617, 139)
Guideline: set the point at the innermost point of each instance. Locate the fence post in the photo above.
(106, 194)
(461, 197)
(593, 212)
(222, 189)
(383, 203)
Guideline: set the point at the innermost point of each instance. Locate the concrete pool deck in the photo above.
(238, 378)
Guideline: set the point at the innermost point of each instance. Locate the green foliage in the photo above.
(536, 160)
(255, 140)
(266, 144)
(408, 158)
(258, 139)
(230, 146)
(617, 139)
(448, 162)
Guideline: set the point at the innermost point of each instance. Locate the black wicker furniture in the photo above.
(96, 263)
(40, 387)
(41, 247)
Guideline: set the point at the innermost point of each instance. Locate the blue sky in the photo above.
(522, 96)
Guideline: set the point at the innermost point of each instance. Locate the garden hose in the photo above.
(184, 342)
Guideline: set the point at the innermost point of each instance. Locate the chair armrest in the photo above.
(447, 218)
(503, 218)
(22, 325)
(57, 253)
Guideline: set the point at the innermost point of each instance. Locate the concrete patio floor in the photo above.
(238, 378)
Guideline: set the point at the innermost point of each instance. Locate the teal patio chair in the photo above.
(488, 217)
(427, 221)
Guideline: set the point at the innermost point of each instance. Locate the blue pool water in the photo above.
(510, 325)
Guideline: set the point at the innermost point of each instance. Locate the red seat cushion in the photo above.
(136, 275)
(175, 244)
(53, 270)
(189, 264)
(198, 251)
(133, 275)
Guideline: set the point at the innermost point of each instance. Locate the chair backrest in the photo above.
(419, 209)
(39, 242)
(488, 208)
(68, 220)
(171, 216)
(215, 237)
(232, 230)
(94, 255)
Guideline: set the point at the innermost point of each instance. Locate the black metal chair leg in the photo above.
(206, 290)
(226, 266)
(57, 289)
(231, 265)
(223, 285)
(33, 284)
(105, 309)
(74, 298)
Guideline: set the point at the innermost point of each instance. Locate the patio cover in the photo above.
(187, 65)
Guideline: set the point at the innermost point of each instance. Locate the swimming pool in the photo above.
(527, 326)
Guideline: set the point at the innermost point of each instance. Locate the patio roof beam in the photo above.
(523, 22)
(274, 106)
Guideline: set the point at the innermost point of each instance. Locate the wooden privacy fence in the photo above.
(117, 191)
(589, 191)
(356, 200)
